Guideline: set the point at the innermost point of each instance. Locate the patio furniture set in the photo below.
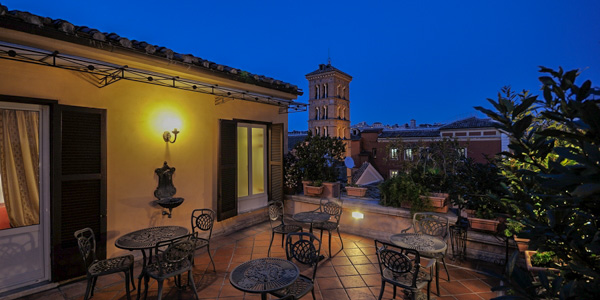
(167, 251)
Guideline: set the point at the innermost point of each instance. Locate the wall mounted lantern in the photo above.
(167, 136)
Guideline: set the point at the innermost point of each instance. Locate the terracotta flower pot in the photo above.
(356, 191)
(331, 189)
(310, 190)
(484, 224)
(533, 268)
(439, 202)
(522, 244)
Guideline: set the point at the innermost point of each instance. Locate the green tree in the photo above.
(319, 156)
(553, 181)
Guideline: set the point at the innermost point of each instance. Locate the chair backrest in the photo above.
(87, 245)
(431, 224)
(275, 212)
(332, 207)
(398, 260)
(203, 220)
(300, 246)
(172, 254)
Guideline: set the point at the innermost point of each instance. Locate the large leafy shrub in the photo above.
(553, 175)
(318, 157)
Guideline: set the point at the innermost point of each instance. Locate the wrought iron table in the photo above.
(311, 217)
(422, 243)
(264, 275)
(147, 238)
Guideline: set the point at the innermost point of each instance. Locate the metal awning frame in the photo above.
(105, 74)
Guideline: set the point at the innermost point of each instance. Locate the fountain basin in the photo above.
(169, 203)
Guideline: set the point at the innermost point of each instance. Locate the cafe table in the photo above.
(311, 217)
(146, 239)
(422, 243)
(264, 275)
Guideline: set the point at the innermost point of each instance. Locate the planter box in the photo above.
(484, 224)
(356, 191)
(310, 190)
(532, 268)
(439, 202)
(331, 190)
(522, 244)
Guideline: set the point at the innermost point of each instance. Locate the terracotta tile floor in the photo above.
(352, 273)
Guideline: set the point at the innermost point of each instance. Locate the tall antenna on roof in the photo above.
(328, 57)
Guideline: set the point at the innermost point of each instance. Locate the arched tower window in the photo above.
(317, 91)
(325, 133)
(317, 131)
(344, 92)
(326, 86)
(337, 91)
(338, 112)
(325, 112)
(317, 116)
(343, 113)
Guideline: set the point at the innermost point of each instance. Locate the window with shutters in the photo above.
(251, 167)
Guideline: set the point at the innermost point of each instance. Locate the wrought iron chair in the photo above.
(172, 258)
(202, 221)
(334, 209)
(95, 268)
(435, 225)
(278, 224)
(305, 252)
(401, 267)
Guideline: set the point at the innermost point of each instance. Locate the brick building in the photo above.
(477, 139)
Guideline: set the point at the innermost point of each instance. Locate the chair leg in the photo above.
(437, 276)
(160, 288)
(394, 296)
(382, 289)
(428, 289)
(282, 237)
(192, 283)
(329, 243)
(211, 259)
(313, 293)
(132, 279)
(127, 277)
(446, 268)
(88, 287)
(146, 279)
(340, 236)
(270, 244)
(93, 286)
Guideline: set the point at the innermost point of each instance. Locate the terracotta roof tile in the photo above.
(472, 122)
(25, 21)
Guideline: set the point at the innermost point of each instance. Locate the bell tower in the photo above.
(329, 103)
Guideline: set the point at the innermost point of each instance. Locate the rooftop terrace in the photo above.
(352, 273)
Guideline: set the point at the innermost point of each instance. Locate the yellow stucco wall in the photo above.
(135, 112)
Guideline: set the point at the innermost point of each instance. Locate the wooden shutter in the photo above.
(79, 185)
(227, 177)
(276, 162)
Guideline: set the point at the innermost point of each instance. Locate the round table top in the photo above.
(264, 275)
(311, 217)
(148, 237)
(419, 242)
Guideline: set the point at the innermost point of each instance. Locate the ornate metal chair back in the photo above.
(301, 247)
(398, 260)
(431, 224)
(174, 254)
(333, 209)
(87, 245)
(275, 211)
(203, 220)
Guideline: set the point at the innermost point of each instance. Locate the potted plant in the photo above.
(474, 183)
(314, 188)
(318, 158)
(352, 189)
(541, 261)
(403, 191)
(514, 229)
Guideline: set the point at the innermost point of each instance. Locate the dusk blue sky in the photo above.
(431, 61)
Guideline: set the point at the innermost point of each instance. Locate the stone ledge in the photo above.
(381, 221)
